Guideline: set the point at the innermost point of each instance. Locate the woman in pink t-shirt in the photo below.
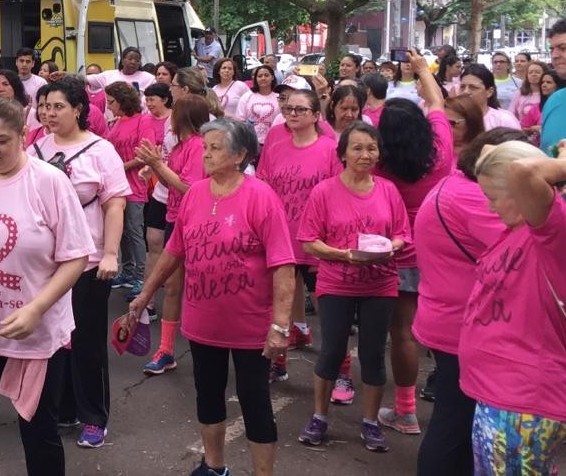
(528, 95)
(232, 237)
(46, 248)
(338, 210)
(96, 95)
(98, 177)
(126, 134)
(41, 116)
(376, 86)
(417, 153)
(183, 168)
(228, 89)
(293, 166)
(513, 343)
(452, 230)
(259, 106)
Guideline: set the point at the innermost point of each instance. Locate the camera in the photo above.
(399, 54)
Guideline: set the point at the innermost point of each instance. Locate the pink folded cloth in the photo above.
(22, 382)
(374, 243)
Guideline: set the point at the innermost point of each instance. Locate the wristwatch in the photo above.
(282, 330)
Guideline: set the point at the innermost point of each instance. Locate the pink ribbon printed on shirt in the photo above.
(10, 281)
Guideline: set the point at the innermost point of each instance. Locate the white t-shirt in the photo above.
(214, 50)
(32, 85)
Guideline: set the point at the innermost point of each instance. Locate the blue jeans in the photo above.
(133, 246)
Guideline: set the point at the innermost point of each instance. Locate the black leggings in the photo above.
(42, 444)
(210, 369)
(336, 318)
(446, 449)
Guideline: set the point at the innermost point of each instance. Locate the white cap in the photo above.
(294, 82)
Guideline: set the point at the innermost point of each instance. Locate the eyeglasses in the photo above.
(455, 122)
(58, 161)
(173, 85)
(298, 110)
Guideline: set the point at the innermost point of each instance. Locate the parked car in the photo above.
(285, 60)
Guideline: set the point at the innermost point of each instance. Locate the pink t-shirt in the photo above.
(186, 161)
(230, 97)
(97, 98)
(533, 118)
(34, 135)
(96, 172)
(105, 78)
(41, 226)
(127, 134)
(229, 257)
(335, 215)
(31, 86)
(500, 118)
(157, 124)
(447, 275)
(522, 104)
(259, 110)
(293, 172)
(374, 115)
(97, 122)
(513, 342)
(160, 191)
(414, 193)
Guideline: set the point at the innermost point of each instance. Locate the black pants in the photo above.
(42, 445)
(446, 449)
(336, 319)
(210, 369)
(87, 388)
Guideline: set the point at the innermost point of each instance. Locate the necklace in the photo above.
(217, 197)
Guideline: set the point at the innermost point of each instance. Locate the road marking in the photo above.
(236, 429)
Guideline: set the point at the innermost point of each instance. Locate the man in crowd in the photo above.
(25, 63)
(207, 52)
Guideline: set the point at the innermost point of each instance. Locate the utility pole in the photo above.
(387, 42)
(215, 14)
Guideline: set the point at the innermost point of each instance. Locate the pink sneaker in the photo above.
(343, 391)
(299, 340)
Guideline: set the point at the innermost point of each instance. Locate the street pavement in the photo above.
(153, 428)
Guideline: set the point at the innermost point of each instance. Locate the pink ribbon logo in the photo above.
(10, 281)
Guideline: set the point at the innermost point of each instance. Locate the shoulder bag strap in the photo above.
(84, 149)
(448, 232)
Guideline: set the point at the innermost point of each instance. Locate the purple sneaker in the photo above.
(314, 432)
(92, 436)
(373, 437)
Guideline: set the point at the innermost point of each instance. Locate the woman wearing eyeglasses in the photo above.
(507, 85)
(293, 166)
(465, 118)
(97, 174)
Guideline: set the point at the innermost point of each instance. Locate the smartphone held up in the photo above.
(399, 54)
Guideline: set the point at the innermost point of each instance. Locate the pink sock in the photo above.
(405, 400)
(346, 366)
(168, 333)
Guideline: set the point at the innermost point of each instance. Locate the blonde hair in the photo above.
(194, 81)
(494, 162)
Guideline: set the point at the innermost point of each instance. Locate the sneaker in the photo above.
(152, 313)
(406, 424)
(121, 281)
(136, 289)
(160, 363)
(205, 470)
(343, 391)
(428, 392)
(72, 423)
(314, 432)
(299, 340)
(92, 436)
(373, 437)
(277, 373)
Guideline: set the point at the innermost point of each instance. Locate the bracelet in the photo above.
(282, 330)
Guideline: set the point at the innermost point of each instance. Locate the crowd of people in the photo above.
(246, 200)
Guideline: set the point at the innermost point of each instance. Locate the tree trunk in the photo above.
(430, 34)
(336, 21)
(476, 20)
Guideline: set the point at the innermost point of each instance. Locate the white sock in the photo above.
(303, 327)
(320, 417)
(370, 422)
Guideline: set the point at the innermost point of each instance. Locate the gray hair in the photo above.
(238, 137)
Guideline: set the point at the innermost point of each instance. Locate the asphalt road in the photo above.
(153, 428)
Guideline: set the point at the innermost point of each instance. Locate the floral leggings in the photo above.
(514, 444)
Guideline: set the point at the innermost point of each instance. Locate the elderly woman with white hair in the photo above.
(513, 342)
(231, 234)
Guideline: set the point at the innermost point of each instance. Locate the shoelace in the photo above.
(91, 429)
(344, 384)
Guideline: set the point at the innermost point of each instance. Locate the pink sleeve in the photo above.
(262, 171)
(97, 123)
(146, 131)
(336, 166)
(311, 224)
(514, 105)
(443, 138)
(175, 245)
(242, 111)
(113, 181)
(193, 167)
(401, 227)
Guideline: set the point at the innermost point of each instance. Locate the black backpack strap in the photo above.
(448, 232)
(84, 149)
(38, 151)
(90, 201)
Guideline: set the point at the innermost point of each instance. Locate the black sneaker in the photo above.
(205, 470)
(427, 393)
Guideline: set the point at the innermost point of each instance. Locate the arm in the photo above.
(113, 210)
(23, 322)
(283, 291)
(323, 251)
(149, 154)
(430, 90)
(531, 183)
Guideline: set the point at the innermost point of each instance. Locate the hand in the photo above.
(368, 262)
(561, 149)
(108, 267)
(138, 305)
(418, 63)
(275, 344)
(145, 174)
(148, 154)
(57, 75)
(21, 323)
